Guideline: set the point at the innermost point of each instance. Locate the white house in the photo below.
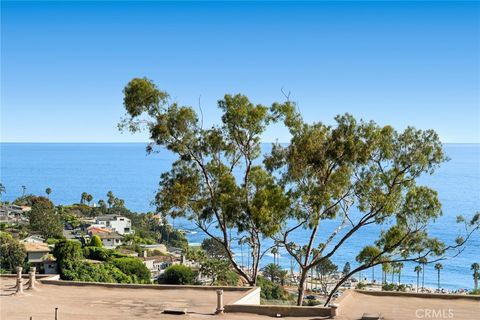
(120, 224)
(111, 240)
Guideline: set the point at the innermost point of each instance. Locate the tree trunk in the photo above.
(301, 286)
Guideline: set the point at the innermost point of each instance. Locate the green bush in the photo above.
(476, 292)
(311, 302)
(179, 274)
(95, 241)
(96, 253)
(361, 286)
(272, 291)
(133, 267)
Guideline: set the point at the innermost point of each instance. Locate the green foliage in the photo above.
(45, 219)
(272, 271)
(272, 291)
(179, 274)
(133, 267)
(97, 253)
(312, 303)
(12, 253)
(214, 248)
(95, 241)
(92, 272)
(361, 286)
(68, 254)
(201, 185)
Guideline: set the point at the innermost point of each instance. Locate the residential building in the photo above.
(111, 240)
(120, 224)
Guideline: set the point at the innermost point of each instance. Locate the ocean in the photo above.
(126, 169)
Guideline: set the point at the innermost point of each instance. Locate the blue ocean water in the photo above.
(127, 170)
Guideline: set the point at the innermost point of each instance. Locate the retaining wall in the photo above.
(284, 311)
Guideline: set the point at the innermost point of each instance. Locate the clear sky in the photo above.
(64, 65)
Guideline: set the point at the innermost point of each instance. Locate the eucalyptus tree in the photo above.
(438, 267)
(326, 170)
(216, 181)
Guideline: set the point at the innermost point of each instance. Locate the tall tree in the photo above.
(89, 198)
(417, 270)
(3, 190)
(201, 185)
(346, 268)
(24, 190)
(44, 218)
(275, 252)
(110, 199)
(326, 269)
(423, 261)
(83, 197)
(476, 274)
(48, 191)
(438, 267)
(399, 271)
(12, 252)
(326, 170)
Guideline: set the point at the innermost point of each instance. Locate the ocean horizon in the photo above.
(133, 175)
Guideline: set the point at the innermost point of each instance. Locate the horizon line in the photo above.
(141, 142)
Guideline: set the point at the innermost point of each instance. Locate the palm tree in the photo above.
(89, 198)
(3, 190)
(83, 197)
(111, 199)
(274, 251)
(400, 267)
(271, 271)
(438, 267)
(423, 261)
(48, 191)
(385, 270)
(476, 275)
(418, 269)
(24, 189)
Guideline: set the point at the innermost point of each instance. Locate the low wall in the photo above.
(419, 295)
(141, 286)
(26, 275)
(284, 311)
(251, 298)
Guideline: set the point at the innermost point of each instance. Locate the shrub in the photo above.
(389, 287)
(361, 286)
(12, 252)
(132, 267)
(475, 291)
(272, 291)
(312, 303)
(95, 241)
(179, 274)
(96, 253)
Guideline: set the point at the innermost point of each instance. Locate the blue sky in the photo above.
(64, 65)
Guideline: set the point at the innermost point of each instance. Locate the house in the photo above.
(14, 214)
(49, 265)
(120, 224)
(155, 247)
(111, 240)
(38, 255)
(158, 264)
(33, 239)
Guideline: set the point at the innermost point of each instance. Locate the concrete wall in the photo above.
(141, 286)
(419, 295)
(251, 298)
(284, 311)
